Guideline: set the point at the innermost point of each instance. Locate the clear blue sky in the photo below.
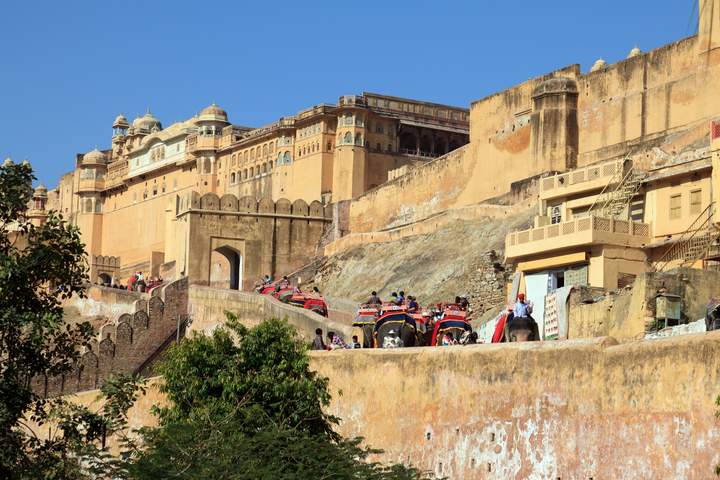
(67, 68)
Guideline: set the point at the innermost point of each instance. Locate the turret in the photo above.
(37, 213)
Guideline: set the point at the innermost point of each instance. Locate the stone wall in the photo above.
(630, 313)
(487, 284)
(129, 343)
(573, 409)
(568, 410)
(101, 304)
(208, 306)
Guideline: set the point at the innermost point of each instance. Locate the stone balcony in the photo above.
(201, 143)
(91, 184)
(579, 232)
(593, 177)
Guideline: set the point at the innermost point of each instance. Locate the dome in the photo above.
(120, 121)
(95, 156)
(598, 65)
(634, 52)
(146, 122)
(41, 191)
(213, 113)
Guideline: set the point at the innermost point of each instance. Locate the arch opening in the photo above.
(226, 268)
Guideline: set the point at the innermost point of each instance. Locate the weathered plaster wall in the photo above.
(627, 314)
(575, 409)
(207, 308)
(101, 304)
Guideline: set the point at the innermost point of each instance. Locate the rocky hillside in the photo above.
(434, 267)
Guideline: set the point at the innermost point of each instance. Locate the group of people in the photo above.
(282, 284)
(137, 283)
(334, 341)
(396, 299)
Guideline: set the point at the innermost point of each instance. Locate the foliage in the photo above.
(245, 405)
(39, 267)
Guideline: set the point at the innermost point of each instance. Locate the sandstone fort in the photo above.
(594, 194)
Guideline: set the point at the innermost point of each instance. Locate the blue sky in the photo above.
(67, 68)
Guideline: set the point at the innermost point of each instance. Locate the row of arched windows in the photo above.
(347, 139)
(261, 151)
(250, 173)
(306, 149)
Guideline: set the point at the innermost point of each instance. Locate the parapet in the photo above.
(554, 86)
(211, 202)
(129, 344)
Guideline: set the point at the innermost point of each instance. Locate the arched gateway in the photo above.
(231, 242)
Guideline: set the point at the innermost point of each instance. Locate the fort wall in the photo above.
(208, 306)
(653, 106)
(572, 409)
(128, 343)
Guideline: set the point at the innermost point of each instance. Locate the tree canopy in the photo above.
(245, 405)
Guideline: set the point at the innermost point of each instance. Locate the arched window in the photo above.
(233, 160)
(329, 146)
(206, 166)
(358, 139)
(98, 206)
(359, 120)
(246, 155)
(269, 166)
(347, 139)
(232, 177)
(245, 174)
(279, 158)
(272, 147)
(252, 171)
(88, 206)
(287, 159)
(252, 154)
(265, 151)
(348, 119)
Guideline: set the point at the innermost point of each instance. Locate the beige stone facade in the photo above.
(126, 199)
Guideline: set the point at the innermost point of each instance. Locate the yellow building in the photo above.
(125, 199)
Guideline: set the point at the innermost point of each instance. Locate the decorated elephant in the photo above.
(392, 326)
(521, 329)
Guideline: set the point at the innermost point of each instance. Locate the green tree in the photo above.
(245, 405)
(40, 267)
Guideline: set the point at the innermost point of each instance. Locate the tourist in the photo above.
(267, 280)
(318, 343)
(394, 298)
(316, 291)
(374, 299)
(131, 282)
(355, 342)
(335, 342)
(522, 308)
(413, 306)
(401, 298)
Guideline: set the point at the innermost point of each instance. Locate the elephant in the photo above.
(402, 324)
(522, 329)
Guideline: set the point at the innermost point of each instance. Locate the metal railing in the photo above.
(694, 242)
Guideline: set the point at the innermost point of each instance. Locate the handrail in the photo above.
(685, 238)
(618, 174)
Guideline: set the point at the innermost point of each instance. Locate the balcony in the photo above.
(199, 143)
(584, 179)
(576, 233)
(91, 184)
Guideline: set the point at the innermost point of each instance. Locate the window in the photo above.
(329, 146)
(379, 128)
(232, 178)
(675, 206)
(358, 139)
(378, 147)
(555, 216)
(265, 151)
(287, 158)
(695, 201)
(347, 139)
(252, 171)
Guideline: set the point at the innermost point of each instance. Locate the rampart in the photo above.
(128, 343)
(648, 106)
(568, 410)
(208, 307)
(100, 304)
(258, 237)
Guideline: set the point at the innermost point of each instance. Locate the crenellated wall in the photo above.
(268, 237)
(127, 344)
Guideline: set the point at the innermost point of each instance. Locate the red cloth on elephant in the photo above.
(499, 329)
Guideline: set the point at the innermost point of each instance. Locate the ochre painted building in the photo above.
(126, 200)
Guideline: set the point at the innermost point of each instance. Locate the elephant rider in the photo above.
(374, 299)
(284, 283)
(522, 308)
(413, 306)
(401, 298)
(391, 340)
(318, 343)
